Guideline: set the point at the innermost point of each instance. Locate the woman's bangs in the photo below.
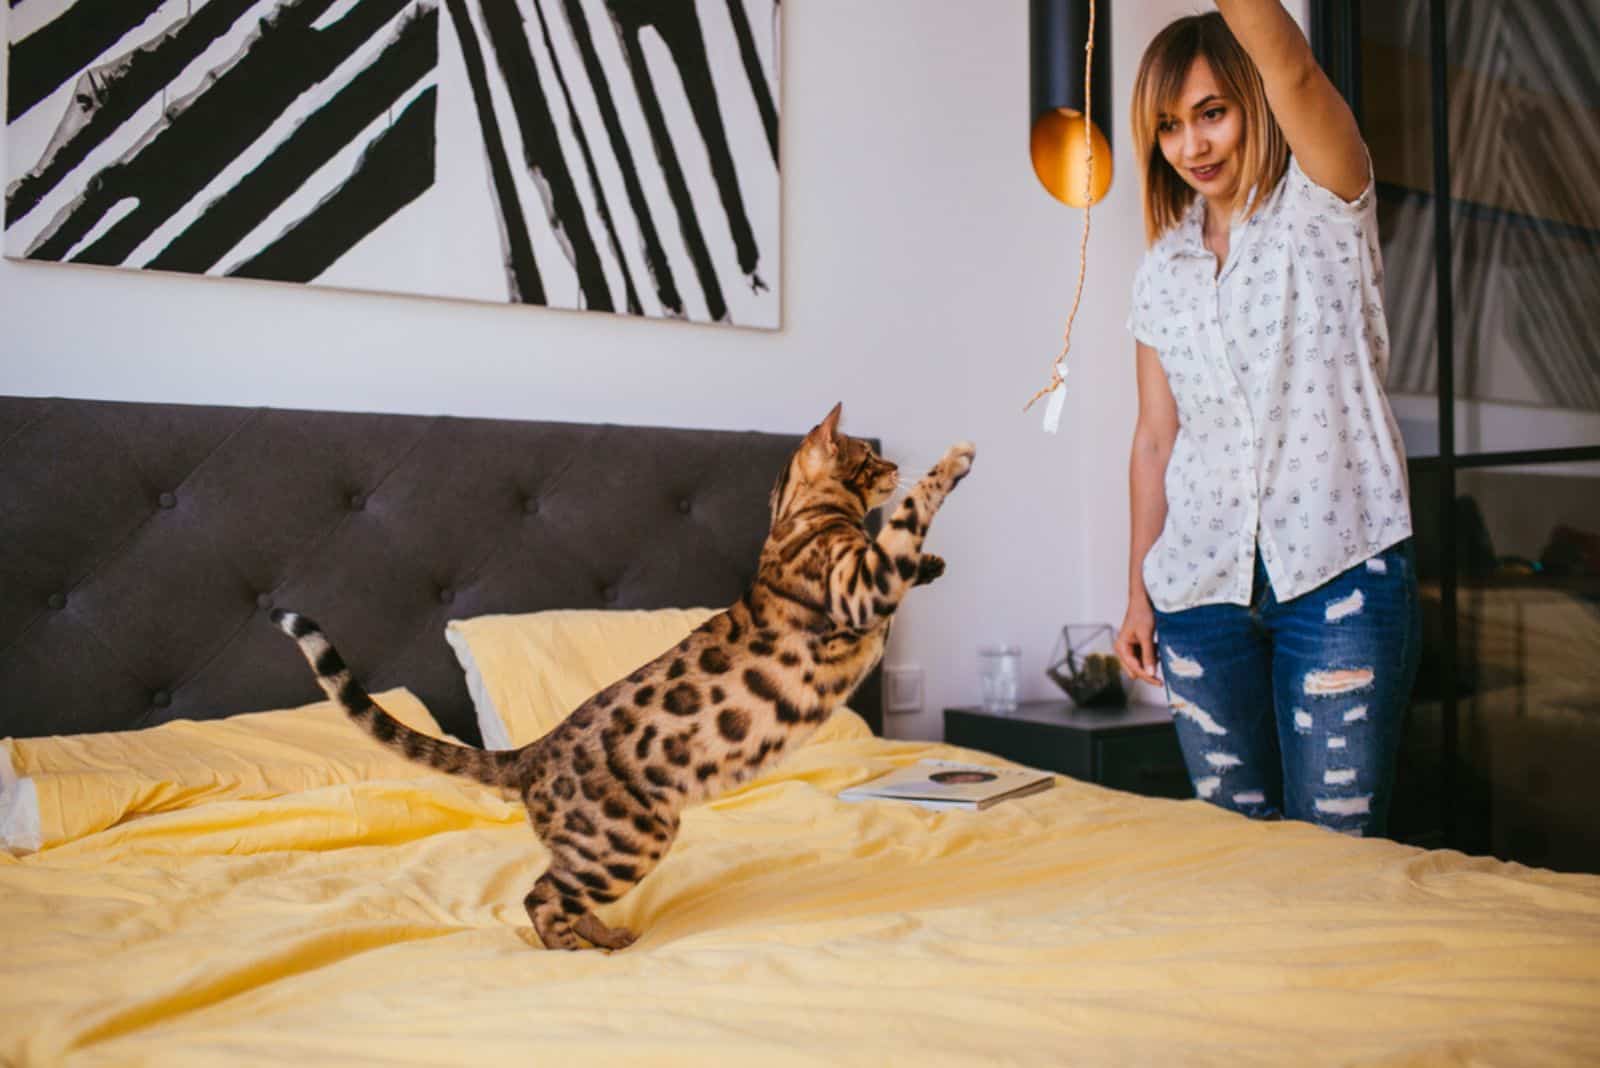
(1169, 66)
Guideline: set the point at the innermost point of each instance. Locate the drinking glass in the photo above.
(997, 677)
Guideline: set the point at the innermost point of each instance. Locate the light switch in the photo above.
(902, 685)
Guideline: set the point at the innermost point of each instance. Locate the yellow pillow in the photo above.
(527, 672)
(56, 789)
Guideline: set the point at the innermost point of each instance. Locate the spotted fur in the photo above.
(605, 788)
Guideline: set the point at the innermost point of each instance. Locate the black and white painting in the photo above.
(609, 155)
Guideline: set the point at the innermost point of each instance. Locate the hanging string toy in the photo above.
(1056, 389)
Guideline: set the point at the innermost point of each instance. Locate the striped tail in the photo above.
(492, 767)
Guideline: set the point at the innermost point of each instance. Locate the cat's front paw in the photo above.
(958, 461)
(929, 568)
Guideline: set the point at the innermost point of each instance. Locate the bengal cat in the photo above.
(604, 789)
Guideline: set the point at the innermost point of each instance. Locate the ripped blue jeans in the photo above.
(1294, 709)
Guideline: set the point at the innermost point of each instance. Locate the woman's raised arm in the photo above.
(1318, 124)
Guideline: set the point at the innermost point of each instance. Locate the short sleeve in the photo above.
(1141, 313)
(1309, 198)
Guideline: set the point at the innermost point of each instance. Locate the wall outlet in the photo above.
(902, 688)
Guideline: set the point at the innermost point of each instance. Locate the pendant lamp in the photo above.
(1058, 31)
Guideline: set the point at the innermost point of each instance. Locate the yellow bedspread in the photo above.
(380, 922)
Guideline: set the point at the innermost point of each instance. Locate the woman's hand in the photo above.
(1136, 641)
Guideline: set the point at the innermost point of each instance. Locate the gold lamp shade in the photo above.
(1058, 35)
(1059, 160)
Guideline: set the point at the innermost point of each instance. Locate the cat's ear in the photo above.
(820, 446)
(824, 437)
(827, 431)
(830, 422)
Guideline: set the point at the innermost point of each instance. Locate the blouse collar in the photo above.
(1188, 235)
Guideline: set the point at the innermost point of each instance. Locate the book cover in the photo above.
(949, 784)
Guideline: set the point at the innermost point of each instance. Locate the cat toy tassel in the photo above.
(1057, 401)
(1056, 390)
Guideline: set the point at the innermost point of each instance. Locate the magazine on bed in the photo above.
(948, 784)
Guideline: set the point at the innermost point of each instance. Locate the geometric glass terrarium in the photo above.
(1085, 665)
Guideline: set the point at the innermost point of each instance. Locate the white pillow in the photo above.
(19, 807)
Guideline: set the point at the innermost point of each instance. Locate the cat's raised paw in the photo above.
(960, 458)
(929, 568)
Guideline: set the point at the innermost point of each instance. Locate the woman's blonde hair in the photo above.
(1264, 154)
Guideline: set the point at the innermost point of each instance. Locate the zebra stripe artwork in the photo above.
(606, 155)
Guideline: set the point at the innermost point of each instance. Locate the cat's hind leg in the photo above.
(590, 926)
(551, 905)
(561, 916)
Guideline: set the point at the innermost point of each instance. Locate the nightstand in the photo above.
(1134, 748)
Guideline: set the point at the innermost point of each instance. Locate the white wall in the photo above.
(927, 278)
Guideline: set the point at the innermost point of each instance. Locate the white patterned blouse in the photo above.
(1285, 437)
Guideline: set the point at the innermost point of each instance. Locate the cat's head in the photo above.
(832, 466)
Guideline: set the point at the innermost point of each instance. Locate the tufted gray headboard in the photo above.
(142, 545)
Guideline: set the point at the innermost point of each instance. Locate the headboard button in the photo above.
(357, 502)
(263, 600)
(683, 505)
(167, 500)
(161, 699)
(608, 594)
(446, 595)
(58, 601)
(530, 505)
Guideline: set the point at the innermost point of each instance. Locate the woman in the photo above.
(1270, 545)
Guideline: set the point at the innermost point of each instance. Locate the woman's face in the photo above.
(1201, 139)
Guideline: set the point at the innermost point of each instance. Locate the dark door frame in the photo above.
(1335, 39)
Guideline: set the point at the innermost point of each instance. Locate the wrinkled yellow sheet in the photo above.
(381, 923)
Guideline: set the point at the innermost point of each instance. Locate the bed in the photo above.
(207, 866)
